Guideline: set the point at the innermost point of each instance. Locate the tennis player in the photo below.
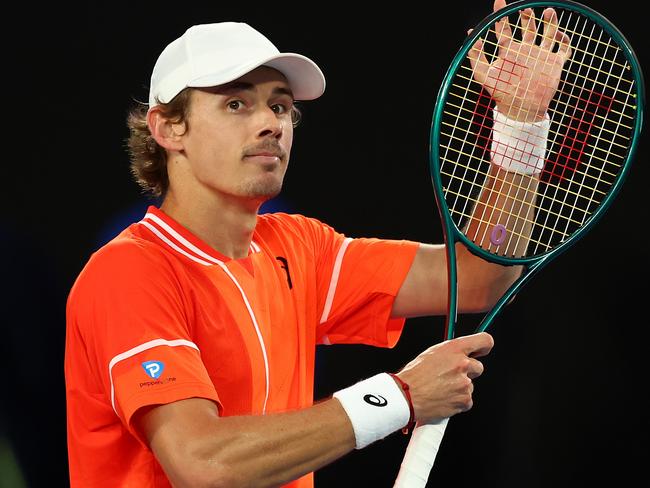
(191, 336)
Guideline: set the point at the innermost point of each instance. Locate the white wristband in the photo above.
(376, 407)
(519, 146)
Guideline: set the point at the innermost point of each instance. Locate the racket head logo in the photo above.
(375, 400)
(498, 234)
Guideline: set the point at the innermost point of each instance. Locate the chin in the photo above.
(263, 189)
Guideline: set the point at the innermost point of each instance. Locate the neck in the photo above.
(224, 223)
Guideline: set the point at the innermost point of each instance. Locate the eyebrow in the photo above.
(237, 86)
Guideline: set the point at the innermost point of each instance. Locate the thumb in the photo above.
(476, 345)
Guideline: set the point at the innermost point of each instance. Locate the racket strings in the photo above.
(478, 184)
(501, 241)
(572, 144)
(608, 156)
(610, 160)
(571, 31)
(506, 210)
(613, 156)
(560, 101)
(490, 210)
(580, 123)
(485, 224)
(626, 81)
(592, 121)
(608, 169)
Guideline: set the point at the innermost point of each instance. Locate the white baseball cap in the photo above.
(213, 54)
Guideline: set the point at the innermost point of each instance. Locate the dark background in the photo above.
(563, 397)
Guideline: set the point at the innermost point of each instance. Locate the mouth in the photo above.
(267, 151)
(264, 158)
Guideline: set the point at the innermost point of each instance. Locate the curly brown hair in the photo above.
(148, 158)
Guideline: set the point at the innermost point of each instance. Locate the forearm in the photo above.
(502, 218)
(271, 450)
(501, 223)
(504, 211)
(260, 451)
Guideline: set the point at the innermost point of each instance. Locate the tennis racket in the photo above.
(595, 118)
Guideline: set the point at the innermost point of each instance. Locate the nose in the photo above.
(269, 123)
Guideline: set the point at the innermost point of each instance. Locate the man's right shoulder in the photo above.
(126, 249)
(125, 259)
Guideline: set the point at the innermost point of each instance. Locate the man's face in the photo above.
(240, 136)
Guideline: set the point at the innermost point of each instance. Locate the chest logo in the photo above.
(285, 267)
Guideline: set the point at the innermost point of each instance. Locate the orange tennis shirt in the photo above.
(157, 316)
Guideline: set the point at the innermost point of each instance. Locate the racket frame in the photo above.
(452, 233)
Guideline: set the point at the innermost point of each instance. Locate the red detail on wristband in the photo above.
(407, 393)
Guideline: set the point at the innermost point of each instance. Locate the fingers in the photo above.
(564, 42)
(463, 394)
(528, 25)
(502, 26)
(503, 31)
(551, 34)
(476, 345)
(499, 4)
(478, 61)
(549, 18)
(474, 368)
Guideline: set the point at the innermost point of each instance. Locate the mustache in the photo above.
(267, 146)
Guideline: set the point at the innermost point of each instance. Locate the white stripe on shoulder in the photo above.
(191, 247)
(181, 239)
(163, 238)
(334, 280)
(137, 350)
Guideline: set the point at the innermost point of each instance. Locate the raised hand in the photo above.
(525, 75)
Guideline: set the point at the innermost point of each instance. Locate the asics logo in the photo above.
(375, 400)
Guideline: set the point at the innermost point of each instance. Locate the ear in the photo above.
(166, 133)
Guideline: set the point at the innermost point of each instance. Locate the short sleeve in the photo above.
(357, 281)
(128, 309)
(364, 280)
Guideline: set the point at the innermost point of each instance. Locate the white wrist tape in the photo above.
(376, 407)
(519, 146)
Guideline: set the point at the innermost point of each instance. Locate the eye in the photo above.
(281, 108)
(235, 105)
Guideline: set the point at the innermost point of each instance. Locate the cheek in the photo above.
(287, 138)
(211, 147)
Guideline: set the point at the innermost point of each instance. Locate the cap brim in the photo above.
(305, 78)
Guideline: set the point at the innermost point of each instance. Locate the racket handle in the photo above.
(420, 455)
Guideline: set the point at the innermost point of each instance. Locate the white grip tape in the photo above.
(420, 455)
(376, 407)
(519, 146)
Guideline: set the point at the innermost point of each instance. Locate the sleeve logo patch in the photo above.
(153, 368)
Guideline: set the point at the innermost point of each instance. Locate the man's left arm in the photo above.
(424, 291)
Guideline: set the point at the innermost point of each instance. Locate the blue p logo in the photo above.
(153, 368)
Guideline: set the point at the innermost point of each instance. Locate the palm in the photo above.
(524, 77)
(517, 79)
